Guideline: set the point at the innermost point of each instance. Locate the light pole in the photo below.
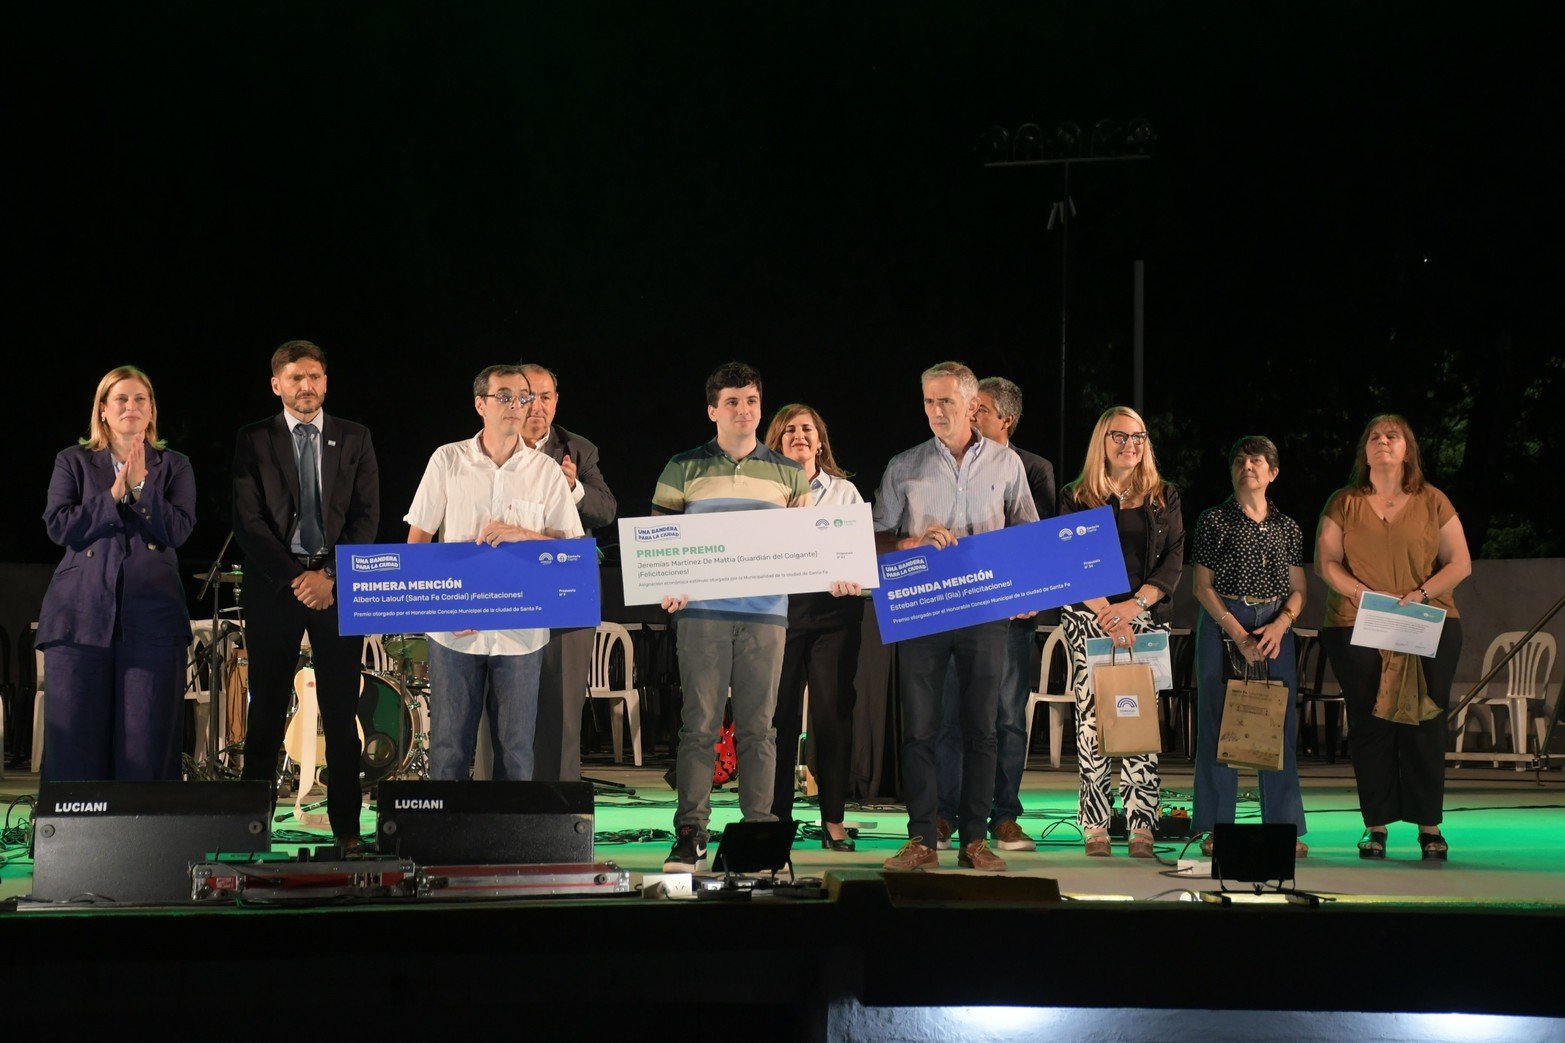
(1110, 142)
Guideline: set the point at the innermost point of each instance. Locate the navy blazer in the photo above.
(266, 494)
(111, 545)
(597, 503)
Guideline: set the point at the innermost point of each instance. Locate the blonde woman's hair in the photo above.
(98, 429)
(1091, 488)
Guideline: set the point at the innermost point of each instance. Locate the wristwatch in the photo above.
(330, 570)
(1145, 605)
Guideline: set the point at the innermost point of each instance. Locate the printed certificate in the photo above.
(736, 554)
(1382, 623)
(400, 588)
(996, 575)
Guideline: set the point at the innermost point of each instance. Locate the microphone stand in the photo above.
(216, 683)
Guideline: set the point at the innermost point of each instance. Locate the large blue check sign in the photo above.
(388, 588)
(1025, 568)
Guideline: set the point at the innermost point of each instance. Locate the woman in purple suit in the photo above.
(114, 628)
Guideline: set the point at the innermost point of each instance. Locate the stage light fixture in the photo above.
(1028, 142)
(994, 145)
(1067, 140)
(1139, 137)
(1108, 138)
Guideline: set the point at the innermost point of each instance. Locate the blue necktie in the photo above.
(311, 537)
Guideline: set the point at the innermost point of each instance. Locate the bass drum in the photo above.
(386, 717)
(385, 726)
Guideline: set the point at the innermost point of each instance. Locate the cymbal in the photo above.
(413, 648)
(236, 576)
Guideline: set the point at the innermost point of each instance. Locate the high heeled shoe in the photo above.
(831, 843)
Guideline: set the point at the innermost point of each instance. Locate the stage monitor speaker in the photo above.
(754, 847)
(1253, 853)
(132, 842)
(485, 823)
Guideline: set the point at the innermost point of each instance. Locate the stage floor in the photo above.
(1505, 828)
(1401, 950)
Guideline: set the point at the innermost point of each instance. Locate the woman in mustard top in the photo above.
(1390, 532)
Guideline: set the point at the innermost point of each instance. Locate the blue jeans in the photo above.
(1216, 785)
(976, 655)
(457, 682)
(1010, 732)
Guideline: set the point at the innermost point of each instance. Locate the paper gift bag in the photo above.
(1255, 712)
(1126, 701)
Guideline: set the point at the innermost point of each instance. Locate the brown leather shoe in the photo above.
(913, 856)
(1008, 836)
(978, 856)
(1141, 845)
(943, 831)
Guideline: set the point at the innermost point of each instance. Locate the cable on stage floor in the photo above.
(19, 835)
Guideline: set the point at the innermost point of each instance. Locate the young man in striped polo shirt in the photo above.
(727, 645)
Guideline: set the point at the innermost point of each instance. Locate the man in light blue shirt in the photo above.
(956, 484)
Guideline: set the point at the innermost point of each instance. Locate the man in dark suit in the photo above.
(567, 659)
(303, 482)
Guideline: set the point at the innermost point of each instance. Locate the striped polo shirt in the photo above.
(706, 480)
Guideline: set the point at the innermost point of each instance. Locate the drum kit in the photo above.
(392, 717)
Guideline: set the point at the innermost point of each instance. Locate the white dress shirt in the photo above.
(463, 489)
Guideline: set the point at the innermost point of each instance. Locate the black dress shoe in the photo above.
(831, 843)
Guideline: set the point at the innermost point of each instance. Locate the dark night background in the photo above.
(1349, 210)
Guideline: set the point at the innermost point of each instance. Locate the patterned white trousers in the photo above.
(1140, 784)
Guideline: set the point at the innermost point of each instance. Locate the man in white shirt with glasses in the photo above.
(489, 489)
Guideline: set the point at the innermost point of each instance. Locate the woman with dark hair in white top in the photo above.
(822, 649)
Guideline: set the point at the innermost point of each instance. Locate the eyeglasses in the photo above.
(1121, 437)
(505, 398)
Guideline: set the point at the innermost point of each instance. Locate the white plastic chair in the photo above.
(374, 656)
(1527, 679)
(612, 636)
(1061, 704)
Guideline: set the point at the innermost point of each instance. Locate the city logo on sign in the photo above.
(545, 558)
(376, 562)
(910, 567)
(1065, 533)
(653, 533)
